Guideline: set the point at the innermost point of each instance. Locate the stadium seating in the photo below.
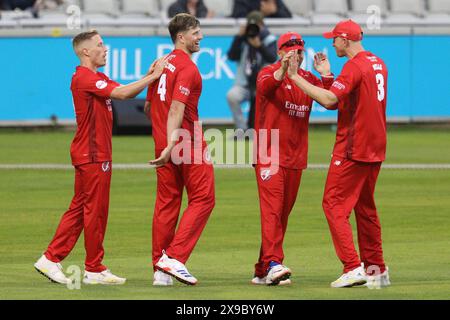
(361, 10)
(301, 11)
(140, 13)
(438, 12)
(306, 13)
(222, 8)
(327, 12)
(406, 12)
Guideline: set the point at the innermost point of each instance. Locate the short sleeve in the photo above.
(98, 84)
(185, 81)
(349, 78)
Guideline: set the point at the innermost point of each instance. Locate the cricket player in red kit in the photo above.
(283, 107)
(91, 154)
(360, 95)
(173, 102)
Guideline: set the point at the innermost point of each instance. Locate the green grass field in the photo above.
(413, 205)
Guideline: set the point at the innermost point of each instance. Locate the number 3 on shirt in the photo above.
(162, 87)
(380, 82)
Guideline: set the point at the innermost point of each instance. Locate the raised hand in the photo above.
(321, 64)
(285, 60)
(159, 65)
(294, 63)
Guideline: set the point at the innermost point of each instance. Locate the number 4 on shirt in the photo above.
(162, 87)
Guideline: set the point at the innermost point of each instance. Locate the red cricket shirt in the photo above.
(284, 106)
(362, 91)
(180, 81)
(93, 110)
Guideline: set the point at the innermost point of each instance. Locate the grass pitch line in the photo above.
(143, 166)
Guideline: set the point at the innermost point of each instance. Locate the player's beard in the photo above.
(193, 47)
(102, 62)
(339, 52)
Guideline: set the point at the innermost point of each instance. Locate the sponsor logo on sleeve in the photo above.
(101, 84)
(338, 85)
(185, 91)
(108, 104)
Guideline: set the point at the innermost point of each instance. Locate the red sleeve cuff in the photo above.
(338, 93)
(111, 87)
(327, 81)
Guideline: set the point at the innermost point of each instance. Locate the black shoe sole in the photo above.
(277, 281)
(361, 283)
(175, 276)
(48, 276)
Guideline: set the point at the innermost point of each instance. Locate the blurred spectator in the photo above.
(195, 7)
(49, 4)
(25, 5)
(253, 48)
(269, 8)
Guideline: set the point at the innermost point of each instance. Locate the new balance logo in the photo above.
(265, 174)
(105, 166)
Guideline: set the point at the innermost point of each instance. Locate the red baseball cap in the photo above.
(290, 41)
(347, 29)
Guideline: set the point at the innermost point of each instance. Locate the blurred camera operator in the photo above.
(252, 48)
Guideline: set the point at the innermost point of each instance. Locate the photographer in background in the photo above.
(253, 48)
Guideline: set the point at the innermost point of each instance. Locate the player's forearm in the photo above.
(268, 83)
(279, 74)
(174, 121)
(131, 90)
(325, 97)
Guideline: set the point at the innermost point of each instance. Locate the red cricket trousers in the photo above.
(89, 212)
(277, 195)
(351, 185)
(171, 180)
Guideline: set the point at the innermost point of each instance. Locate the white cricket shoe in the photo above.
(276, 274)
(355, 277)
(51, 270)
(175, 269)
(162, 279)
(262, 281)
(104, 277)
(378, 281)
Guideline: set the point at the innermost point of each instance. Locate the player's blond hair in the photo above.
(181, 23)
(81, 37)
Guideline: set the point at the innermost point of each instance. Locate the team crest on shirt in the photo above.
(105, 166)
(265, 174)
(101, 84)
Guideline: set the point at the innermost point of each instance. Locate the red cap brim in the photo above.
(328, 35)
